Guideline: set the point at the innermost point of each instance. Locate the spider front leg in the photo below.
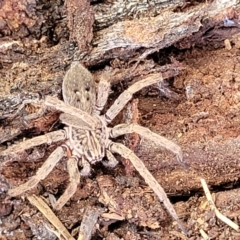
(89, 121)
(41, 174)
(122, 129)
(149, 179)
(125, 97)
(102, 93)
(48, 138)
(111, 160)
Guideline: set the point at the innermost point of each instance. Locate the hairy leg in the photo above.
(124, 98)
(42, 173)
(85, 117)
(122, 129)
(111, 162)
(86, 168)
(48, 138)
(102, 94)
(74, 177)
(149, 179)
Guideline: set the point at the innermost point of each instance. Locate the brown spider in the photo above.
(87, 137)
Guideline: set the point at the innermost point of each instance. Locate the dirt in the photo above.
(203, 119)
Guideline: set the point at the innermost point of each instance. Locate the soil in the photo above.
(203, 119)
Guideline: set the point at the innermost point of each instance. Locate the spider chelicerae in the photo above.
(87, 137)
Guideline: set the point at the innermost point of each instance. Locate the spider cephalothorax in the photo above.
(84, 143)
(87, 136)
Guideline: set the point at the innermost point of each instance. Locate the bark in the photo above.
(39, 41)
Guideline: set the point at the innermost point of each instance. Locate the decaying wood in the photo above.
(78, 88)
(107, 14)
(80, 21)
(166, 29)
(129, 31)
(154, 32)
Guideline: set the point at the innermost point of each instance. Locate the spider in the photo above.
(87, 138)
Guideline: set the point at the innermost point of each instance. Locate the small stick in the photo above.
(218, 214)
(51, 217)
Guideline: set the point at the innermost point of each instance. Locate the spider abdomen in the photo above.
(78, 88)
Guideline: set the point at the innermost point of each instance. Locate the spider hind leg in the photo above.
(149, 179)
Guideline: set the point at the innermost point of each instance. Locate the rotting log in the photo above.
(35, 52)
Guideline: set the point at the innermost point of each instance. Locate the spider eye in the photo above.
(89, 153)
(87, 88)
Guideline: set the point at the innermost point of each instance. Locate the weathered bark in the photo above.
(39, 41)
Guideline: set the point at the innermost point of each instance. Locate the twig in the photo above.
(204, 235)
(212, 205)
(48, 213)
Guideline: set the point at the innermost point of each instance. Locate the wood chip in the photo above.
(227, 44)
(113, 216)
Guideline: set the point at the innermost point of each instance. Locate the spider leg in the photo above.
(76, 112)
(124, 97)
(86, 170)
(74, 121)
(74, 177)
(122, 129)
(103, 92)
(112, 161)
(149, 179)
(42, 173)
(48, 138)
